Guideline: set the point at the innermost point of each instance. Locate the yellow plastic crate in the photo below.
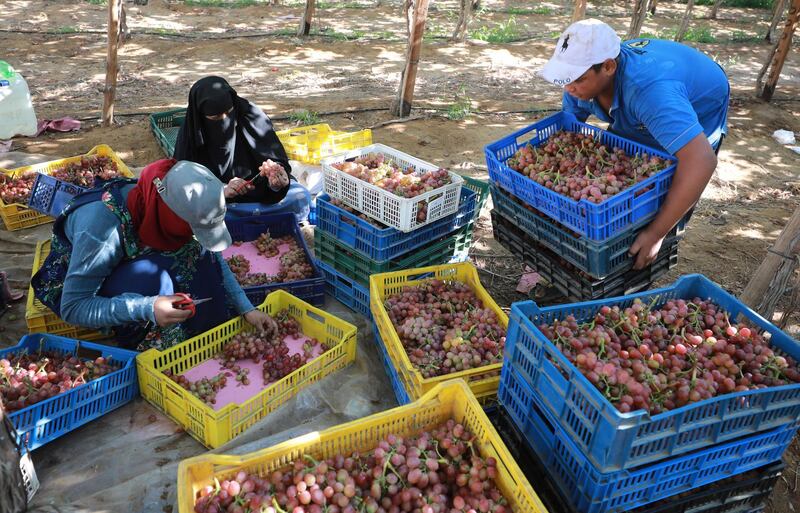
(448, 400)
(17, 216)
(214, 428)
(383, 285)
(41, 319)
(312, 143)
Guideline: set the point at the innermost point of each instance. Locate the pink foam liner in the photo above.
(234, 392)
(258, 263)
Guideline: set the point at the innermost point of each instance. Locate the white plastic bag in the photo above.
(784, 136)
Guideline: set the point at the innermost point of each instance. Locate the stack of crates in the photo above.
(579, 247)
(602, 460)
(349, 247)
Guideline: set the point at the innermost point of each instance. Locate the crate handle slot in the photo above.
(314, 315)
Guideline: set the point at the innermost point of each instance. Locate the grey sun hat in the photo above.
(196, 196)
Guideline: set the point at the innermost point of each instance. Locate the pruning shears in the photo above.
(187, 303)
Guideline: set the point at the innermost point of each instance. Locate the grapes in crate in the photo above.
(438, 471)
(659, 359)
(579, 167)
(82, 173)
(293, 264)
(27, 379)
(445, 328)
(375, 169)
(267, 347)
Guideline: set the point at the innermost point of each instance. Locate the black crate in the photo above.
(742, 493)
(574, 284)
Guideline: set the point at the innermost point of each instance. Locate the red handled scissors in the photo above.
(187, 303)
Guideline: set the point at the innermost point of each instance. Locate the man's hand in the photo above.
(166, 314)
(645, 248)
(237, 187)
(258, 319)
(276, 175)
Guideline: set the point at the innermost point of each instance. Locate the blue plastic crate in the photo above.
(388, 243)
(591, 491)
(599, 259)
(613, 440)
(400, 392)
(346, 290)
(596, 221)
(245, 229)
(50, 195)
(572, 283)
(43, 422)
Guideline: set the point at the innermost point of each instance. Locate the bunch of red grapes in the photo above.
(293, 262)
(27, 379)
(445, 328)
(267, 246)
(18, 189)
(580, 167)
(82, 173)
(356, 213)
(659, 359)
(375, 169)
(204, 389)
(439, 471)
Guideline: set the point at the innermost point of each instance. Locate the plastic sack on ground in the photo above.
(16, 109)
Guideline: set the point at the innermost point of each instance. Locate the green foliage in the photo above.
(504, 32)
(740, 36)
(462, 107)
(66, 30)
(693, 35)
(527, 10)
(304, 117)
(97, 2)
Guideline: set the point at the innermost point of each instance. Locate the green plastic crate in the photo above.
(165, 126)
(481, 188)
(359, 267)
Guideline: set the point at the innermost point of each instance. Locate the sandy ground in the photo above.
(353, 63)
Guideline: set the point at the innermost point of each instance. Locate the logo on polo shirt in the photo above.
(639, 44)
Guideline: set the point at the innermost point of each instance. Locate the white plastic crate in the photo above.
(382, 205)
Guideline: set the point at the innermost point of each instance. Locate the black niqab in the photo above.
(234, 146)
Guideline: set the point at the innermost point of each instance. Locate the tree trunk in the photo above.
(637, 19)
(777, 14)
(112, 68)
(714, 9)
(580, 11)
(778, 57)
(308, 15)
(417, 14)
(464, 17)
(769, 282)
(13, 497)
(687, 16)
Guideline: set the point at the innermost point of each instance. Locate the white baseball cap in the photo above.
(584, 44)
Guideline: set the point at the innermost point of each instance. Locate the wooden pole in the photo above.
(768, 283)
(464, 17)
(418, 13)
(308, 15)
(715, 9)
(580, 11)
(112, 68)
(637, 19)
(687, 16)
(782, 50)
(777, 14)
(13, 497)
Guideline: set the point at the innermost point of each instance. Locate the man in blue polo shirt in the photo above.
(660, 93)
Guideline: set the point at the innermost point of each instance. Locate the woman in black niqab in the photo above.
(233, 138)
